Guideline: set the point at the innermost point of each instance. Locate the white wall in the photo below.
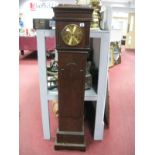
(116, 35)
(28, 14)
(119, 24)
(45, 10)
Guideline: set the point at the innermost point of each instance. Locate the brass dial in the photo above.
(72, 34)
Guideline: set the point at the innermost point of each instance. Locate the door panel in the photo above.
(130, 37)
(71, 84)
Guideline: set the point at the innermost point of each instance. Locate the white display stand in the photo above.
(101, 51)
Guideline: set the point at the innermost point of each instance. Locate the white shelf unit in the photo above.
(101, 51)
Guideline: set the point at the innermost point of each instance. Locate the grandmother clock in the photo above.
(72, 43)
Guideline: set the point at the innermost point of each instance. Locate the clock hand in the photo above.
(70, 41)
(68, 30)
(74, 29)
(75, 39)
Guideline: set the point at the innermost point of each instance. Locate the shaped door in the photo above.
(71, 83)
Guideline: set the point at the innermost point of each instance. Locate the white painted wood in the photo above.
(123, 9)
(97, 33)
(53, 94)
(90, 95)
(48, 33)
(108, 18)
(102, 86)
(43, 82)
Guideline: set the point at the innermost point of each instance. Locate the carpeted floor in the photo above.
(118, 139)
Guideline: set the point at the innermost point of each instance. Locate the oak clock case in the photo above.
(72, 43)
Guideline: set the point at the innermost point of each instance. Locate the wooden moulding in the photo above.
(75, 12)
(69, 146)
(70, 140)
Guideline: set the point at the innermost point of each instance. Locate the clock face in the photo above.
(72, 34)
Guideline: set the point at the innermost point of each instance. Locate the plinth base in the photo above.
(66, 140)
(69, 146)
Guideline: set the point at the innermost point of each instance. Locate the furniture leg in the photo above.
(102, 87)
(43, 83)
